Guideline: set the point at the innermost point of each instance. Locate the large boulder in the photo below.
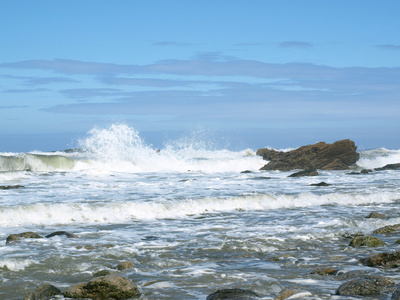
(371, 285)
(25, 235)
(103, 288)
(366, 241)
(389, 260)
(337, 156)
(43, 292)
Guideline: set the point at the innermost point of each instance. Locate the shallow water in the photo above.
(189, 220)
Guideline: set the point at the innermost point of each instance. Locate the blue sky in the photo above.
(252, 73)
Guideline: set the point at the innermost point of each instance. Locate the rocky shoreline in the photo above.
(108, 284)
(112, 284)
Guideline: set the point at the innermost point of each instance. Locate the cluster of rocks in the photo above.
(340, 155)
(337, 156)
(108, 284)
(104, 284)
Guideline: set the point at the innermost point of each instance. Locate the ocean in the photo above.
(188, 218)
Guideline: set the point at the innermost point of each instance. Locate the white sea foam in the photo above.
(14, 264)
(121, 212)
(377, 158)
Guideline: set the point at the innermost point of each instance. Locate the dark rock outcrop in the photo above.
(104, 287)
(63, 233)
(9, 187)
(304, 173)
(385, 260)
(322, 183)
(389, 167)
(371, 285)
(25, 235)
(43, 292)
(337, 156)
(233, 294)
(366, 241)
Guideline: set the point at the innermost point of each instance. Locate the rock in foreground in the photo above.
(385, 260)
(43, 292)
(105, 287)
(233, 294)
(337, 156)
(372, 285)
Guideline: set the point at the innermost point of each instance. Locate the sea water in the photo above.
(188, 218)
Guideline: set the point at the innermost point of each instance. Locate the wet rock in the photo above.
(246, 172)
(368, 286)
(304, 173)
(385, 260)
(125, 265)
(325, 271)
(43, 292)
(25, 235)
(64, 233)
(104, 287)
(396, 294)
(376, 215)
(363, 171)
(233, 294)
(322, 183)
(389, 167)
(286, 294)
(102, 273)
(366, 241)
(387, 229)
(337, 156)
(9, 187)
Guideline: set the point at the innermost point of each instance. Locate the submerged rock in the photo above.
(385, 260)
(322, 183)
(125, 265)
(9, 187)
(233, 294)
(325, 271)
(43, 292)
(396, 294)
(337, 156)
(388, 229)
(366, 241)
(376, 215)
(292, 294)
(104, 287)
(25, 235)
(371, 285)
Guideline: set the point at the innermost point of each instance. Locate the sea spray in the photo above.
(120, 148)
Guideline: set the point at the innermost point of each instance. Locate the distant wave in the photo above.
(120, 148)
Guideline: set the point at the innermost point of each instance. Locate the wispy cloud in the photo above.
(40, 80)
(66, 66)
(389, 47)
(170, 43)
(296, 44)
